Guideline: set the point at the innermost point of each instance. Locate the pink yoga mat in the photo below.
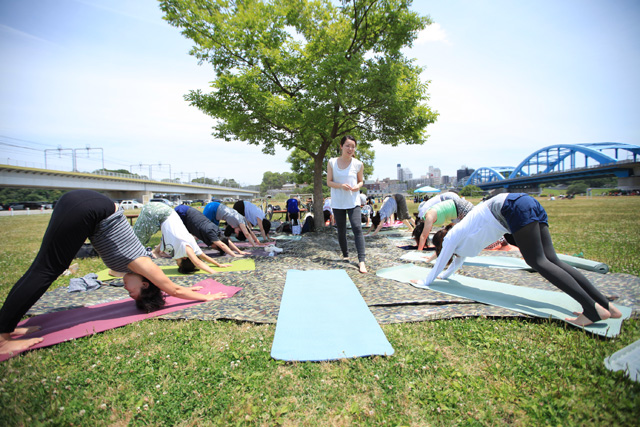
(66, 325)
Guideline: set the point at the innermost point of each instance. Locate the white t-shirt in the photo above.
(176, 238)
(340, 198)
(327, 204)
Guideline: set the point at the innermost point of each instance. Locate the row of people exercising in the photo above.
(84, 214)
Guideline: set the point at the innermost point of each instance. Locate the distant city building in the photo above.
(404, 174)
(463, 173)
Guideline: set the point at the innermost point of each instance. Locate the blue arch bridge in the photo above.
(562, 162)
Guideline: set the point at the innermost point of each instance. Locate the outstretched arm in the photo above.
(210, 260)
(198, 262)
(146, 268)
(428, 225)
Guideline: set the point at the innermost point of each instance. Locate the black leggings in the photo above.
(74, 219)
(537, 250)
(340, 216)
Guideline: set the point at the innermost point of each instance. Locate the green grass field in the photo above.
(448, 372)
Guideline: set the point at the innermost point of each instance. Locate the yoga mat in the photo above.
(239, 264)
(287, 237)
(497, 262)
(585, 264)
(214, 253)
(510, 262)
(62, 326)
(415, 247)
(534, 302)
(323, 317)
(627, 360)
(416, 256)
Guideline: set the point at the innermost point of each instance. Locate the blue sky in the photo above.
(507, 77)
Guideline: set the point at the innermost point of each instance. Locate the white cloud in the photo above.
(433, 33)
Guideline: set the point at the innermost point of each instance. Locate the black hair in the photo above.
(239, 207)
(438, 239)
(417, 232)
(376, 220)
(151, 298)
(348, 138)
(186, 266)
(266, 224)
(228, 231)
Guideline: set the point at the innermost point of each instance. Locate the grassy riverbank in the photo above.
(447, 372)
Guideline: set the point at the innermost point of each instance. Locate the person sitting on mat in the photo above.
(345, 176)
(392, 204)
(80, 215)
(438, 211)
(523, 217)
(200, 226)
(254, 216)
(176, 241)
(216, 212)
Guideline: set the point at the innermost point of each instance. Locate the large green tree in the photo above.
(301, 74)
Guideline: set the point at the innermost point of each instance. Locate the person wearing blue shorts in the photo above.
(523, 217)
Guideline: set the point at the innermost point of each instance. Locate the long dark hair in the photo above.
(151, 298)
(417, 232)
(186, 266)
(438, 239)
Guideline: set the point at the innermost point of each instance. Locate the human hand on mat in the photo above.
(223, 265)
(212, 297)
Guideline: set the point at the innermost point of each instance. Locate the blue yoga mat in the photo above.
(534, 302)
(323, 317)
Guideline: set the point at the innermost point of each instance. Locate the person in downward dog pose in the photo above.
(523, 217)
(177, 242)
(392, 204)
(205, 230)
(439, 210)
(81, 215)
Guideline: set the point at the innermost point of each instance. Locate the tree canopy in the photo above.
(302, 74)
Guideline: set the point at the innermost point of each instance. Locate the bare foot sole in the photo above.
(25, 331)
(14, 346)
(363, 268)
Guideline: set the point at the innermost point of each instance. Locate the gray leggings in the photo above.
(340, 216)
(537, 250)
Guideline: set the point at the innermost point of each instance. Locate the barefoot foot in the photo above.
(615, 313)
(14, 346)
(25, 331)
(583, 320)
(363, 268)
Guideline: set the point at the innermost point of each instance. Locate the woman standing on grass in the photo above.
(345, 177)
(81, 215)
(523, 217)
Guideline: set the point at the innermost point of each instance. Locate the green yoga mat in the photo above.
(242, 264)
(534, 302)
(518, 263)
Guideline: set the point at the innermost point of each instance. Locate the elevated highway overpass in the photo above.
(114, 185)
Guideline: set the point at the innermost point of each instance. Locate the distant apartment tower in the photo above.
(404, 174)
(463, 173)
(435, 176)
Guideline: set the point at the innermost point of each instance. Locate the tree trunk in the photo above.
(318, 199)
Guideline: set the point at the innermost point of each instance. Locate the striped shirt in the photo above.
(116, 243)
